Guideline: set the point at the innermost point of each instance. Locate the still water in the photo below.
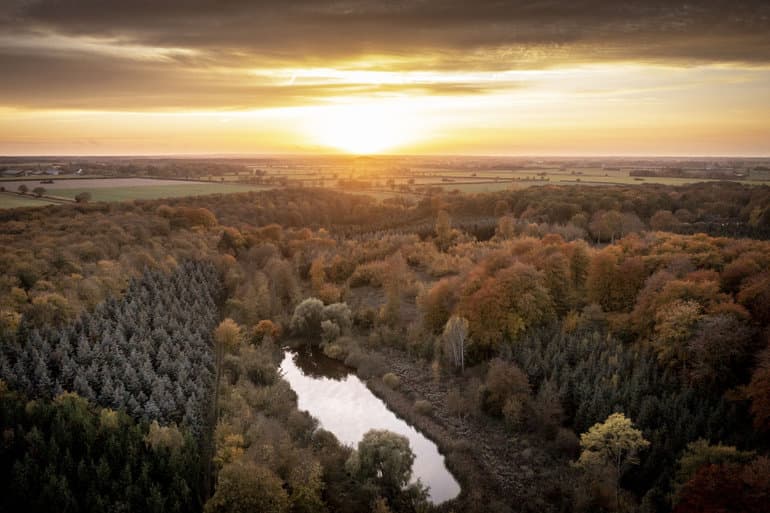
(335, 396)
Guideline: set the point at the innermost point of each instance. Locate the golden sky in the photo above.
(590, 77)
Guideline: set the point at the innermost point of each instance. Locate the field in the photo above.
(13, 201)
(118, 189)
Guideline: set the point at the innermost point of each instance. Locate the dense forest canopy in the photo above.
(524, 327)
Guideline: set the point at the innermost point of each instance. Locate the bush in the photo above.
(335, 351)
(83, 197)
(504, 381)
(423, 407)
(339, 313)
(307, 317)
(367, 366)
(329, 331)
(391, 380)
(513, 413)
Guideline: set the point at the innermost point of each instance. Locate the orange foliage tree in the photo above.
(503, 305)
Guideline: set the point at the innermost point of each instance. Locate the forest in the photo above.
(568, 348)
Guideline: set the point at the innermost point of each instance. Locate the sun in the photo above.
(363, 129)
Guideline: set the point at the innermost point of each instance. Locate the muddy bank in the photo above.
(498, 471)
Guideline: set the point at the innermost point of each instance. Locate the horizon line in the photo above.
(386, 155)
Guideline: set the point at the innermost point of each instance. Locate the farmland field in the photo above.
(14, 201)
(122, 189)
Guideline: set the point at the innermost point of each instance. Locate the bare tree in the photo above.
(455, 336)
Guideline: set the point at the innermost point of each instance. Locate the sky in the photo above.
(538, 77)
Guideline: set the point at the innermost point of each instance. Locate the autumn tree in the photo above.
(227, 337)
(602, 278)
(443, 230)
(555, 268)
(699, 454)
(675, 324)
(505, 386)
(390, 312)
(759, 392)
(504, 305)
(437, 303)
(455, 336)
(231, 241)
(718, 488)
(613, 283)
(502, 207)
(614, 443)
(317, 274)
(383, 464)
(606, 225)
(755, 296)
(245, 487)
(663, 220)
(264, 329)
(307, 486)
(506, 228)
(579, 262)
(719, 349)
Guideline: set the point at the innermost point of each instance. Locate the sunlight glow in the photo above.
(364, 128)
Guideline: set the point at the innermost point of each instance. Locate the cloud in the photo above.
(200, 54)
(712, 30)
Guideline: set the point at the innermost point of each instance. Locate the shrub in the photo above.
(423, 407)
(329, 331)
(513, 413)
(504, 381)
(340, 314)
(335, 351)
(367, 366)
(85, 197)
(391, 380)
(307, 317)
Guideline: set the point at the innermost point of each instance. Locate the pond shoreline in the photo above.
(497, 471)
(346, 405)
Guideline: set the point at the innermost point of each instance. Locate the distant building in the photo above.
(13, 172)
(52, 171)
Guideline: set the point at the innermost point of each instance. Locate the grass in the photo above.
(15, 201)
(156, 191)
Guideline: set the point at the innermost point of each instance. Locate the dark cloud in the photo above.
(82, 81)
(225, 38)
(710, 30)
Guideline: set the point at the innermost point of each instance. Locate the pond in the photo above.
(342, 403)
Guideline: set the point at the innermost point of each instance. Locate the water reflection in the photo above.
(313, 363)
(343, 405)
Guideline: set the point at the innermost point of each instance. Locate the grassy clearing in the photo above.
(156, 191)
(14, 201)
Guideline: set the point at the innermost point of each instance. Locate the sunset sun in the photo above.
(363, 128)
